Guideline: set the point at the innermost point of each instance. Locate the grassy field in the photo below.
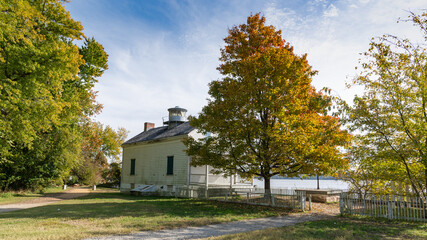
(110, 213)
(114, 213)
(16, 197)
(340, 228)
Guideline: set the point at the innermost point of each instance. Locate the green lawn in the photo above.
(16, 197)
(114, 213)
(341, 228)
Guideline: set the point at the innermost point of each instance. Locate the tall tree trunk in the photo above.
(318, 187)
(267, 189)
(411, 180)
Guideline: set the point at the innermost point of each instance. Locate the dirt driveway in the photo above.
(41, 201)
(319, 211)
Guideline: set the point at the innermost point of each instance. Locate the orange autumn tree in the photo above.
(265, 117)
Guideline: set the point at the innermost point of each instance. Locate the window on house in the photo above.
(169, 170)
(132, 167)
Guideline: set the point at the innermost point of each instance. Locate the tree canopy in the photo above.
(265, 117)
(390, 118)
(99, 144)
(46, 91)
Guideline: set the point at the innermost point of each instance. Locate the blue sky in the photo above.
(164, 53)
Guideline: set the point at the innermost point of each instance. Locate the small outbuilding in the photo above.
(155, 160)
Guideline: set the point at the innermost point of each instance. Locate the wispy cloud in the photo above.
(331, 11)
(164, 53)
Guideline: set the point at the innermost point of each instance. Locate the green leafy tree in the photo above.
(112, 175)
(265, 117)
(45, 91)
(391, 115)
(367, 175)
(99, 144)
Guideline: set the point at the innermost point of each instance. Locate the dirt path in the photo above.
(215, 230)
(330, 209)
(319, 211)
(42, 201)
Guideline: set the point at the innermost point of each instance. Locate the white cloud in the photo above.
(152, 69)
(333, 44)
(331, 11)
(284, 17)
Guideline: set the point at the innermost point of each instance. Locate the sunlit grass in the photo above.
(340, 228)
(114, 213)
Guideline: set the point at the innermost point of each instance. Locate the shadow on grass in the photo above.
(110, 205)
(21, 195)
(6, 195)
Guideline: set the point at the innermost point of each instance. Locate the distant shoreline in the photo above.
(305, 178)
(292, 183)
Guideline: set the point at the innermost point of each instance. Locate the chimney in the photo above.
(148, 126)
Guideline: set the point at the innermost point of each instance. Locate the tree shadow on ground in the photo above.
(109, 205)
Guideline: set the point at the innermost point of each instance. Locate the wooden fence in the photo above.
(391, 207)
(287, 198)
(294, 201)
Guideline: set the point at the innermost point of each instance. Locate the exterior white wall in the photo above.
(198, 177)
(198, 174)
(195, 134)
(151, 163)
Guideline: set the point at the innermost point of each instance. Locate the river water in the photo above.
(305, 183)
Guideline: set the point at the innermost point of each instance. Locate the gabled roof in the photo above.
(161, 133)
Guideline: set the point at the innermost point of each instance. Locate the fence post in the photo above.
(226, 195)
(393, 205)
(390, 210)
(417, 206)
(272, 199)
(309, 202)
(364, 212)
(423, 204)
(424, 209)
(302, 199)
(247, 197)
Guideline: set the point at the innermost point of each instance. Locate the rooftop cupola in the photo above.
(176, 116)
